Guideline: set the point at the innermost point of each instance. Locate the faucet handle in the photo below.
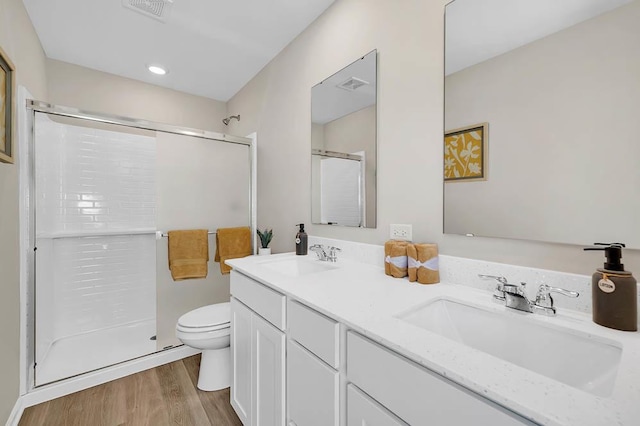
(318, 249)
(498, 293)
(500, 279)
(544, 299)
(333, 253)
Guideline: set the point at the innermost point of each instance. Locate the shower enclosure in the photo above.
(338, 188)
(104, 190)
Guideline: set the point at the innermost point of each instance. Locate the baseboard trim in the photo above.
(86, 381)
(16, 413)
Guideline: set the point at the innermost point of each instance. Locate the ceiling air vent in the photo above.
(352, 83)
(157, 9)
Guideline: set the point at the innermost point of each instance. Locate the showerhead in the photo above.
(228, 119)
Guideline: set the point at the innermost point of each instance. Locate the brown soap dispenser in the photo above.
(615, 295)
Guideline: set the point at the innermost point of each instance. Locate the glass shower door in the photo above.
(202, 184)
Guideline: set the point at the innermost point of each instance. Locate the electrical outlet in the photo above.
(401, 232)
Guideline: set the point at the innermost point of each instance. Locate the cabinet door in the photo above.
(363, 411)
(312, 389)
(268, 373)
(241, 361)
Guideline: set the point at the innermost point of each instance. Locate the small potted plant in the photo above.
(265, 239)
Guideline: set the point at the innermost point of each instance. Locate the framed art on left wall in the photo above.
(6, 108)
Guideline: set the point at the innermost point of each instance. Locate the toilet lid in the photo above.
(207, 316)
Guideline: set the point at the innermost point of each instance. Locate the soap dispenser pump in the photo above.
(614, 290)
(301, 241)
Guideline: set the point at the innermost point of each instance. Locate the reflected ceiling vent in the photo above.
(156, 9)
(352, 83)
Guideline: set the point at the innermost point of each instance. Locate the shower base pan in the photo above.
(70, 356)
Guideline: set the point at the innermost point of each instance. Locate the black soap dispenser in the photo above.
(301, 241)
(614, 290)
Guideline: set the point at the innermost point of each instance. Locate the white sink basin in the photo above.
(577, 359)
(298, 266)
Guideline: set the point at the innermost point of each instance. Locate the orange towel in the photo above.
(395, 258)
(232, 243)
(423, 263)
(188, 254)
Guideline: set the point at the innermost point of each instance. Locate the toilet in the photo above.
(208, 329)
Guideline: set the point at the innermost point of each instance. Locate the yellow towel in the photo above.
(395, 258)
(188, 254)
(232, 243)
(423, 263)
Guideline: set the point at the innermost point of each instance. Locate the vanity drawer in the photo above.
(315, 331)
(267, 303)
(415, 394)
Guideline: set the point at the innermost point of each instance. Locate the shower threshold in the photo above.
(86, 352)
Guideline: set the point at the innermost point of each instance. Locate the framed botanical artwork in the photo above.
(6, 108)
(465, 153)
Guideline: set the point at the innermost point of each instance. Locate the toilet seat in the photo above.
(205, 319)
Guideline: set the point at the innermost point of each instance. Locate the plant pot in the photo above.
(264, 251)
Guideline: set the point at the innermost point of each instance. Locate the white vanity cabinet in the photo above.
(334, 376)
(257, 353)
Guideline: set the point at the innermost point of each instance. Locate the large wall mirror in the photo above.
(343, 146)
(558, 84)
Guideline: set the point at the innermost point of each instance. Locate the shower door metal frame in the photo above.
(44, 107)
(65, 111)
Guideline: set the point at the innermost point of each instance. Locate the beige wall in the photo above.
(20, 42)
(561, 111)
(353, 133)
(409, 39)
(84, 88)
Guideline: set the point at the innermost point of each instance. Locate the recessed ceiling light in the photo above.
(157, 69)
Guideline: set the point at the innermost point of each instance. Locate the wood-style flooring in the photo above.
(165, 395)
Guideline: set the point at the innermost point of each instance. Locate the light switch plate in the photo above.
(401, 232)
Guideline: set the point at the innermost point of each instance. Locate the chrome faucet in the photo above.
(321, 252)
(515, 296)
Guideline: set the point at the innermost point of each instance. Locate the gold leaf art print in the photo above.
(464, 153)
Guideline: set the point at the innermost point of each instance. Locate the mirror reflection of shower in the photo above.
(341, 180)
(227, 120)
(343, 122)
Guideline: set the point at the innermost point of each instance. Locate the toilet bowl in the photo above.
(208, 329)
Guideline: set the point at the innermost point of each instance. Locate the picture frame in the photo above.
(7, 91)
(465, 153)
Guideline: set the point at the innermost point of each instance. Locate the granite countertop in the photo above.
(362, 297)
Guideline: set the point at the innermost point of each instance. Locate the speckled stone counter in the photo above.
(361, 296)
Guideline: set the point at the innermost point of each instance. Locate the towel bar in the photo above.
(160, 234)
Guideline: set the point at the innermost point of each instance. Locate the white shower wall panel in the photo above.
(91, 179)
(103, 282)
